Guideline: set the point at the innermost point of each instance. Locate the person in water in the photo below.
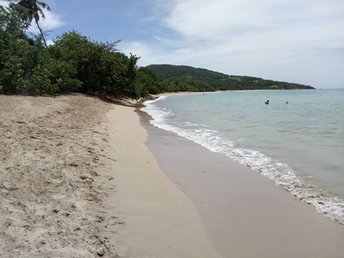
(267, 102)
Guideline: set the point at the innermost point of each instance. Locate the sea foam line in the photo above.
(284, 176)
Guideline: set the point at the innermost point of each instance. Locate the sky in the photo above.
(288, 40)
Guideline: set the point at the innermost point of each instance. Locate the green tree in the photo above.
(32, 10)
(147, 82)
(26, 66)
(99, 66)
(13, 48)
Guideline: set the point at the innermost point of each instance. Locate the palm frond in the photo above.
(44, 5)
(40, 11)
(31, 9)
(27, 13)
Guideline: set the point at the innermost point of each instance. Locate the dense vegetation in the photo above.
(75, 63)
(187, 78)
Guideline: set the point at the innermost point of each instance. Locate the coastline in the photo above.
(309, 177)
(159, 220)
(84, 178)
(242, 210)
(76, 180)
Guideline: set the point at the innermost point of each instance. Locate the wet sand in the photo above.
(158, 219)
(77, 180)
(244, 213)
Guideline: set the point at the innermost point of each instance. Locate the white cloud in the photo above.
(287, 39)
(51, 20)
(50, 42)
(4, 3)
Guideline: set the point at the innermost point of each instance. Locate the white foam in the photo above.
(282, 174)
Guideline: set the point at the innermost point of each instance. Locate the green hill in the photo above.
(185, 78)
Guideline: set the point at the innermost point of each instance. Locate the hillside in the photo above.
(198, 79)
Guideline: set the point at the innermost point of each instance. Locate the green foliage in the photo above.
(73, 63)
(13, 52)
(54, 76)
(101, 69)
(63, 76)
(187, 78)
(30, 10)
(147, 82)
(40, 83)
(26, 67)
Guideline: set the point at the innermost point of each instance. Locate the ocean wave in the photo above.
(280, 173)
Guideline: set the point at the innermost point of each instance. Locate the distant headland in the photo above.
(188, 78)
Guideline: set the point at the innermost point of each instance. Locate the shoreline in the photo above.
(241, 210)
(76, 179)
(84, 178)
(159, 220)
(297, 184)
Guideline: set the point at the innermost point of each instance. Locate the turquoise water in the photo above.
(297, 140)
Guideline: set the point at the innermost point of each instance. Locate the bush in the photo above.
(99, 67)
(73, 63)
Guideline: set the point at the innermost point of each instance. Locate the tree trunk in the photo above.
(42, 35)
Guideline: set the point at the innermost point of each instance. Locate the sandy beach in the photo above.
(80, 177)
(52, 156)
(76, 180)
(160, 221)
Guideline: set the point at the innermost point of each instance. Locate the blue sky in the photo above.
(290, 40)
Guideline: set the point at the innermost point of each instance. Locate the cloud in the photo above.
(4, 3)
(286, 39)
(50, 42)
(51, 20)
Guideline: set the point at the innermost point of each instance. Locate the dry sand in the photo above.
(51, 155)
(76, 180)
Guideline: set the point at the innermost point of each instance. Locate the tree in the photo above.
(100, 68)
(32, 10)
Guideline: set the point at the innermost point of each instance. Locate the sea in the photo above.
(297, 140)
